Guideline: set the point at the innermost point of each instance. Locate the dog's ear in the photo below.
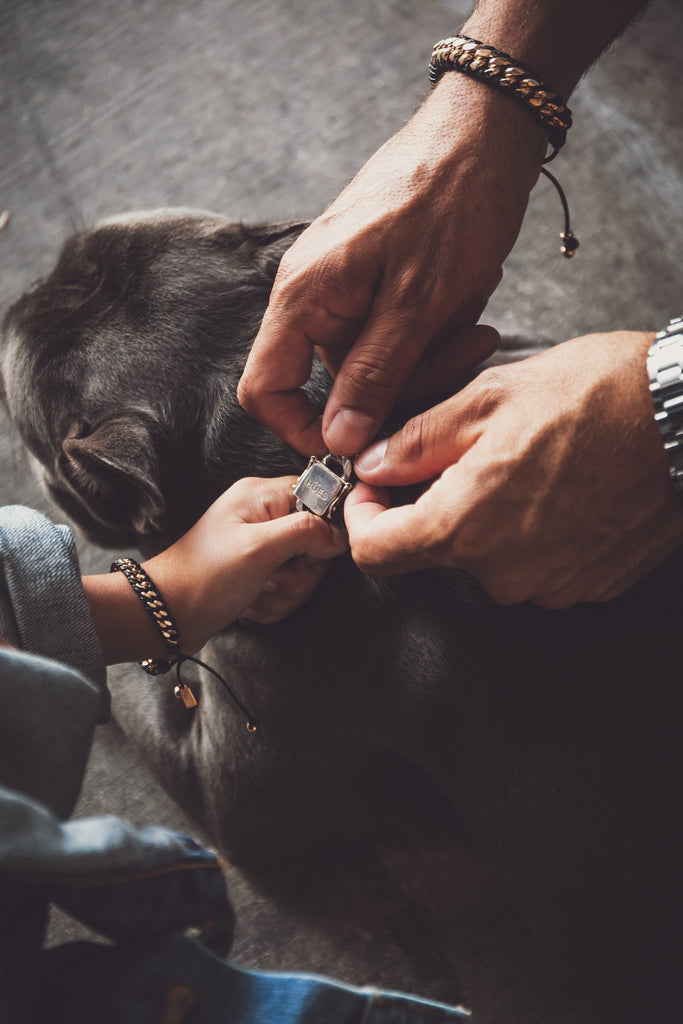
(115, 471)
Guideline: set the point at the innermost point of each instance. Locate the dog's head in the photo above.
(120, 369)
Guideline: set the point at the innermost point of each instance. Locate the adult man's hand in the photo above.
(549, 481)
(412, 248)
(407, 255)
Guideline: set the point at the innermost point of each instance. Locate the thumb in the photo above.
(295, 535)
(372, 376)
(421, 450)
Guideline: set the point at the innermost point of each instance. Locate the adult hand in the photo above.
(549, 480)
(405, 257)
(246, 557)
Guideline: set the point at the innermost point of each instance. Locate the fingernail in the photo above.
(349, 432)
(371, 457)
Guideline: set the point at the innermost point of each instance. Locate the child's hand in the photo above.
(246, 557)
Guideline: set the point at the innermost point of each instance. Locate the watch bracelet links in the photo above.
(665, 370)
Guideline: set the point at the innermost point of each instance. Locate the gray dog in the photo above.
(554, 736)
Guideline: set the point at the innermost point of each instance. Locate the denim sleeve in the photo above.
(43, 608)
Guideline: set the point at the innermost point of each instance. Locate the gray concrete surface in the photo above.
(263, 110)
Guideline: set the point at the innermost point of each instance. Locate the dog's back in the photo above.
(550, 733)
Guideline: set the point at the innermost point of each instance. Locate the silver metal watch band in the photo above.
(665, 369)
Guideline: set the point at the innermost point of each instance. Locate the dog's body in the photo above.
(555, 736)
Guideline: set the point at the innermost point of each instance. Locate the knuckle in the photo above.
(244, 392)
(264, 616)
(416, 284)
(471, 547)
(554, 602)
(505, 593)
(292, 585)
(253, 488)
(307, 527)
(316, 285)
(250, 396)
(506, 589)
(464, 544)
(289, 268)
(413, 439)
(363, 558)
(489, 390)
(240, 490)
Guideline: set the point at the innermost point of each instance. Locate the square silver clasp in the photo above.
(320, 489)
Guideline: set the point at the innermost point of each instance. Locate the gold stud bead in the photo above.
(183, 693)
(513, 74)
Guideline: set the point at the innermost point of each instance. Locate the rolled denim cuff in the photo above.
(118, 983)
(43, 607)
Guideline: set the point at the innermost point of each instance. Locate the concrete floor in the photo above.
(263, 110)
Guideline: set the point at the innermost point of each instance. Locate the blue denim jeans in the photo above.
(139, 888)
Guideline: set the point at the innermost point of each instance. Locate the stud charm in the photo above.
(183, 693)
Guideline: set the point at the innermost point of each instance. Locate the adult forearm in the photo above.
(557, 39)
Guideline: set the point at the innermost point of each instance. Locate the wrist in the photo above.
(124, 630)
(540, 47)
(474, 121)
(178, 584)
(559, 40)
(459, 99)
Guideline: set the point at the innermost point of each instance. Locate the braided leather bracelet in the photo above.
(486, 63)
(462, 53)
(150, 597)
(157, 609)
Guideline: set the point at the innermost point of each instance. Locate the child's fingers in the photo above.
(294, 536)
(290, 586)
(257, 500)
